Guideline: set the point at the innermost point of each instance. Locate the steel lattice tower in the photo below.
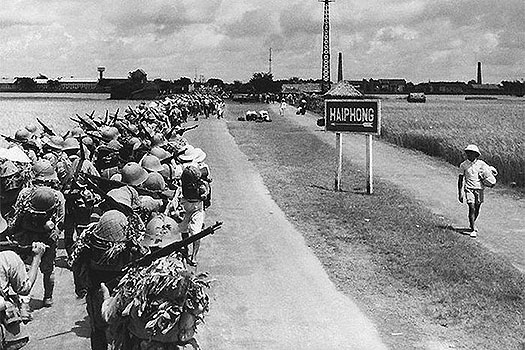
(326, 47)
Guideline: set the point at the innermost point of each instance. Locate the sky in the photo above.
(418, 40)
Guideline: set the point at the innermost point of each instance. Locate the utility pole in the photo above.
(325, 86)
(270, 62)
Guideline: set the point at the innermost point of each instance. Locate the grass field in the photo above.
(443, 126)
(425, 285)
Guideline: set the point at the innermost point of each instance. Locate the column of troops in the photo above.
(113, 189)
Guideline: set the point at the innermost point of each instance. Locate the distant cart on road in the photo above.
(417, 97)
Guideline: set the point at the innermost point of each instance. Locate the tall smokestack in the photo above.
(101, 72)
(479, 73)
(340, 68)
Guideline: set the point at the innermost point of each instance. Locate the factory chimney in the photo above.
(100, 72)
(340, 68)
(479, 73)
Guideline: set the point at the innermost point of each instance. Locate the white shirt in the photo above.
(471, 172)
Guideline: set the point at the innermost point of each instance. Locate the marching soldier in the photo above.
(79, 201)
(39, 217)
(104, 250)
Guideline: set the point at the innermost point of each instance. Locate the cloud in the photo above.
(160, 17)
(414, 39)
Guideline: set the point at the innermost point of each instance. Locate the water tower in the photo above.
(100, 72)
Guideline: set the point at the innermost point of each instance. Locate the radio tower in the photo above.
(325, 85)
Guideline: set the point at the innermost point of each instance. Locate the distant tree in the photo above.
(215, 82)
(138, 76)
(237, 87)
(263, 83)
(516, 87)
(237, 84)
(53, 84)
(185, 81)
(25, 84)
(472, 82)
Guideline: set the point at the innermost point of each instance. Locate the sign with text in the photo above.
(358, 116)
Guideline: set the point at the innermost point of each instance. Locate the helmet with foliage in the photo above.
(112, 226)
(43, 170)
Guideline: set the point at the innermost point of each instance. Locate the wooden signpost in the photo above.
(360, 116)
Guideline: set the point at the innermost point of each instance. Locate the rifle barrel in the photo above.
(175, 246)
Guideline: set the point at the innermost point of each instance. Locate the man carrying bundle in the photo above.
(474, 175)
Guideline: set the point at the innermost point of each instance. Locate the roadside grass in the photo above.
(419, 279)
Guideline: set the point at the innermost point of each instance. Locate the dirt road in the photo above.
(270, 292)
(434, 183)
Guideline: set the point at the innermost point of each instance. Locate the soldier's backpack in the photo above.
(193, 186)
(39, 209)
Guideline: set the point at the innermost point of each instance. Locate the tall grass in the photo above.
(443, 126)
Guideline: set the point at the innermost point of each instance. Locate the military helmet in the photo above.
(178, 142)
(133, 174)
(151, 163)
(88, 141)
(133, 129)
(109, 133)
(161, 230)
(8, 168)
(115, 145)
(43, 170)
(22, 135)
(160, 153)
(43, 199)
(135, 142)
(55, 142)
(158, 140)
(31, 128)
(71, 143)
(51, 157)
(77, 131)
(155, 182)
(112, 226)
